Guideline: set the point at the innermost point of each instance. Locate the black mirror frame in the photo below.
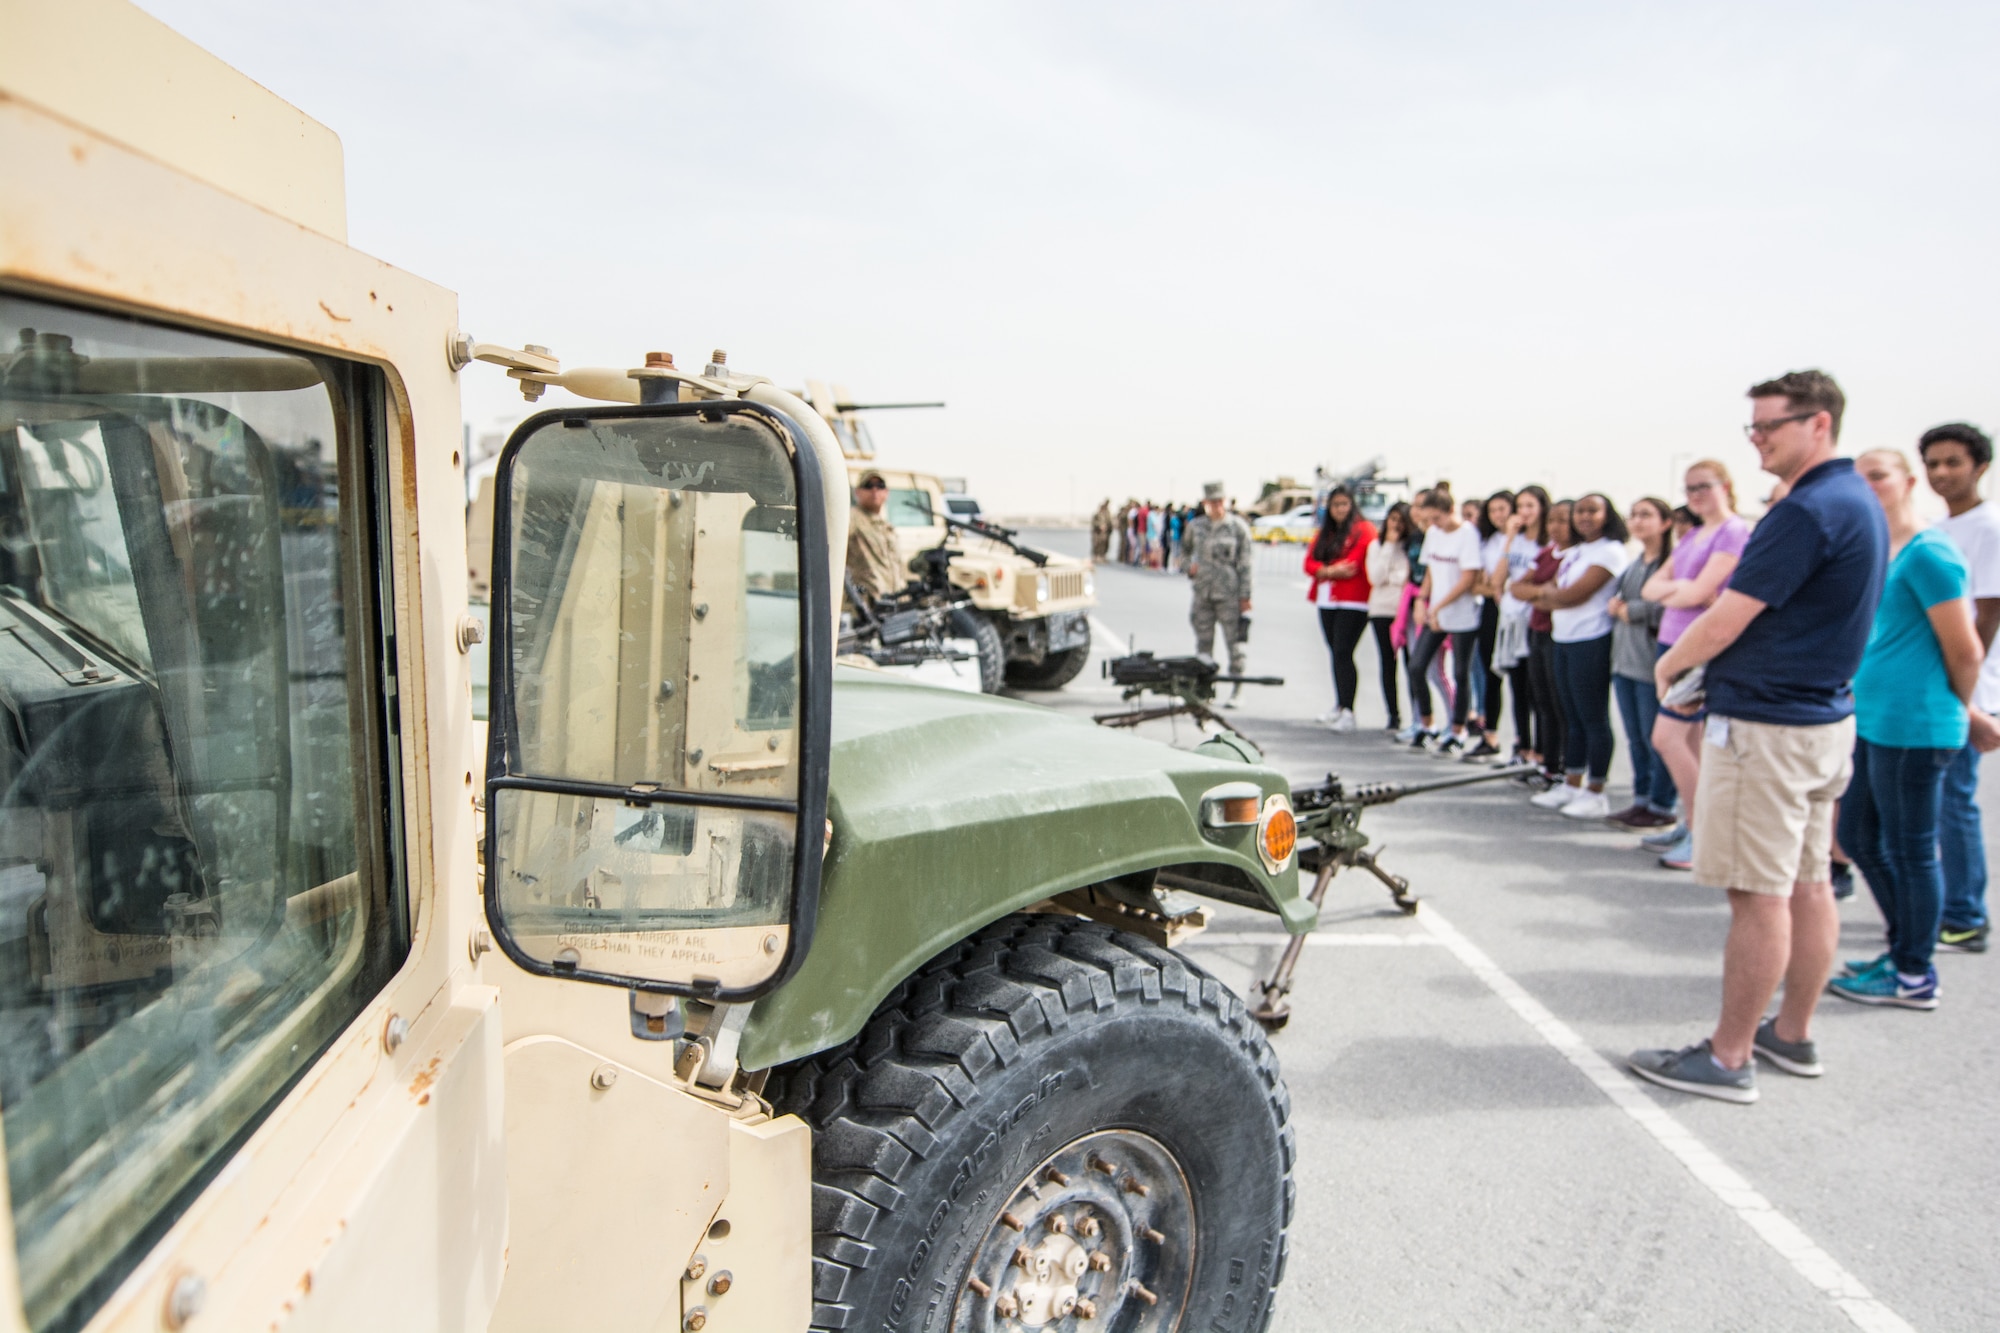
(815, 700)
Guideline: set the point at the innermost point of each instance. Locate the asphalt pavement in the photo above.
(1472, 1154)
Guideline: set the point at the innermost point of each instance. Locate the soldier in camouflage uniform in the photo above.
(873, 560)
(1218, 562)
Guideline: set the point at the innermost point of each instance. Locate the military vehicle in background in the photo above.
(1037, 603)
(709, 988)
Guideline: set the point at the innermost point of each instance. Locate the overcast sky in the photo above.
(1139, 246)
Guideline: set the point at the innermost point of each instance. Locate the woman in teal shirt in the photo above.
(1910, 693)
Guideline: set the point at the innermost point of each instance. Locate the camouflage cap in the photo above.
(1212, 490)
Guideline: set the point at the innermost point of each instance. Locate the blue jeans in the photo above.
(1639, 704)
(1889, 825)
(1583, 686)
(1961, 846)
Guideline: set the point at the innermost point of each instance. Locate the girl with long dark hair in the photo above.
(1541, 644)
(1388, 574)
(1337, 583)
(1635, 650)
(1581, 628)
(1494, 514)
(1510, 558)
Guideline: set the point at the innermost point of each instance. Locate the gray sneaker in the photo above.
(1794, 1057)
(1693, 1069)
(1665, 838)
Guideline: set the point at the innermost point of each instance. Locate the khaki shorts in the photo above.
(1764, 809)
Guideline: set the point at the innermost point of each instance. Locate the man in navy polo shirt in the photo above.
(1781, 645)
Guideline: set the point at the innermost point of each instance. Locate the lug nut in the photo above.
(1056, 1176)
(1086, 1308)
(696, 1321)
(1006, 1307)
(1100, 1261)
(1059, 1224)
(697, 1268)
(1088, 1227)
(1134, 1185)
(721, 1283)
(1024, 1258)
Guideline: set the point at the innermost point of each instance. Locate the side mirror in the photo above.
(660, 691)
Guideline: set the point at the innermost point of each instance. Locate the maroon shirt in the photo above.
(1547, 561)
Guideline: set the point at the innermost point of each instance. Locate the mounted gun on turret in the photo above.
(1330, 838)
(1032, 607)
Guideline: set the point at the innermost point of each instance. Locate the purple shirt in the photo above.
(1726, 538)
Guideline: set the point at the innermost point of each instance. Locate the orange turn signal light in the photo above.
(1239, 810)
(1281, 835)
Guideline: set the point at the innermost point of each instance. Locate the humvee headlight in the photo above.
(1232, 805)
(1041, 588)
(1278, 835)
(1089, 584)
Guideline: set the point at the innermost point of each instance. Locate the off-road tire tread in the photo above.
(879, 1102)
(968, 624)
(1052, 672)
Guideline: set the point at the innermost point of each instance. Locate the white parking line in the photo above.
(1779, 1232)
(1325, 939)
(1101, 633)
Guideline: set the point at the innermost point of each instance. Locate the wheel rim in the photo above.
(1099, 1236)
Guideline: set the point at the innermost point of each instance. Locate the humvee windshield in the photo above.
(189, 906)
(909, 508)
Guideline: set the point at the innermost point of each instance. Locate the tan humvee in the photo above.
(172, 241)
(1039, 609)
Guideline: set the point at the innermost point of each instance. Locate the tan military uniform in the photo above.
(873, 561)
(1220, 555)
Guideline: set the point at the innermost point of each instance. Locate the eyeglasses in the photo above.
(1761, 429)
(877, 485)
(1699, 487)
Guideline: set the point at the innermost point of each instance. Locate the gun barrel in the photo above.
(1248, 680)
(1383, 793)
(994, 532)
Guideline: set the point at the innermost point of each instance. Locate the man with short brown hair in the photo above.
(1781, 645)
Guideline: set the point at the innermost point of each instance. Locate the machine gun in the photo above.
(1188, 681)
(914, 624)
(994, 532)
(1330, 837)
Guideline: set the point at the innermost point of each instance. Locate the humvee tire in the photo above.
(992, 652)
(1052, 672)
(1051, 1118)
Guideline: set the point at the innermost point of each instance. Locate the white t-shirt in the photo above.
(1448, 556)
(1520, 561)
(1588, 620)
(1976, 534)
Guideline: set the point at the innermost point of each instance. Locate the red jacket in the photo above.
(1354, 589)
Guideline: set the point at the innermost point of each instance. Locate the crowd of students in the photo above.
(1563, 608)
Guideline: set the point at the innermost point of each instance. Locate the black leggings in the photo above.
(1462, 644)
(1343, 627)
(1489, 639)
(1385, 652)
(1541, 667)
(1523, 683)
(1583, 679)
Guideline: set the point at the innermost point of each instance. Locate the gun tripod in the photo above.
(1274, 1010)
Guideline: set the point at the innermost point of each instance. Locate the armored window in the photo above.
(196, 849)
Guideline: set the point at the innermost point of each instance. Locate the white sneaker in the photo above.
(1589, 805)
(1556, 797)
(1329, 717)
(1345, 722)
